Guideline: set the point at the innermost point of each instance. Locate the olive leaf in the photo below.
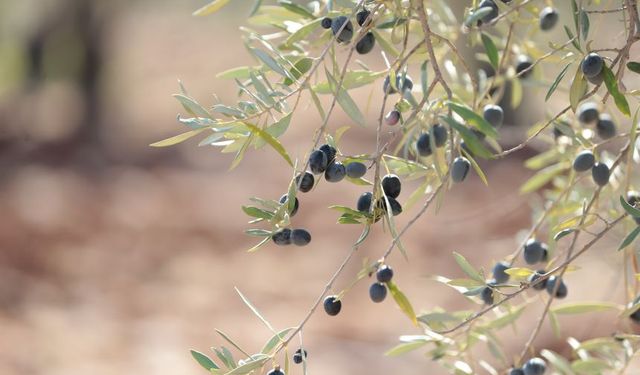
(612, 86)
(211, 8)
(402, 301)
(204, 360)
(578, 89)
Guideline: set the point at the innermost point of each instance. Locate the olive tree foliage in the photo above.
(438, 117)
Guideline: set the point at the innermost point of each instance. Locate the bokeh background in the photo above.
(116, 258)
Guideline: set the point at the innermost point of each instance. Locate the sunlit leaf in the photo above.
(271, 62)
(178, 138)
(210, 8)
(255, 362)
(271, 141)
(467, 267)
(583, 307)
(254, 309)
(556, 82)
(405, 348)
(543, 177)
(204, 360)
(402, 301)
(612, 86)
(346, 103)
(578, 89)
(275, 340)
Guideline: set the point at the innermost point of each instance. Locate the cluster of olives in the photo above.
(536, 252)
(323, 160)
(286, 236)
(342, 28)
(534, 366)
(378, 290)
(500, 276)
(494, 115)
(588, 114)
(599, 171)
(404, 84)
(391, 187)
(549, 284)
(423, 144)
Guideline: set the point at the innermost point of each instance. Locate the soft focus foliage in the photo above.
(450, 74)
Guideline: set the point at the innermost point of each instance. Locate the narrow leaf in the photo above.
(467, 267)
(274, 143)
(405, 348)
(275, 340)
(476, 167)
(491, 50)
(178, 138)
(629, 239)
(634, 66)
(470, 139)
(192, 106)
(204, 360)
(473, 118)
(559, 362)
(612, 85)
(210, 8)
(556, 82)
(254, 310)
(299, 69)
(270, 62)
(402, 301)
(543, 177)
(584, 24)
(255, 362)
(583, 307)
(259, 245)
(578, 89)
(635, 212)
(345, 101)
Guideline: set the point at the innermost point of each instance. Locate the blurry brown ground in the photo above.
(116, 258)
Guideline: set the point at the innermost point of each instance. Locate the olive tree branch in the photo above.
(570, 249)
(318, 300)
(426, 29)
(509, 296)
(424, 208)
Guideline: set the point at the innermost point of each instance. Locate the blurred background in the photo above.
(117, 258)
